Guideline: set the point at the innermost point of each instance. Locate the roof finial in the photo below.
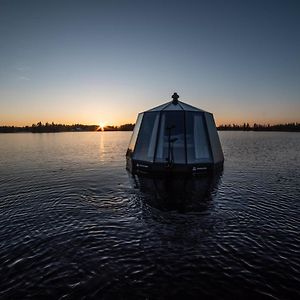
(175, 98)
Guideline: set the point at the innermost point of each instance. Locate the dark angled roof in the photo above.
(169, 106)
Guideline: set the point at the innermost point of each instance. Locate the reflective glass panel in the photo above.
(145, 145)
(214, 138)
(135, 132)
(197, 140)
(171, 143)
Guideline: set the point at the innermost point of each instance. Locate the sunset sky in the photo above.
(99, 61)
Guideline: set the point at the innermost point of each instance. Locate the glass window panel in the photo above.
(135, 133)
(214, 138)
(153, 138)
(197, 140)
(145, 145)
(190, 141)
(173, 107)
(160, 145)
(171, 143)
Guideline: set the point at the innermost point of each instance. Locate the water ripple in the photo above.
(74, 224)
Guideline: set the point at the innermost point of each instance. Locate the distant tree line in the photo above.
(124, 127)
(52, 127)
(259, 127)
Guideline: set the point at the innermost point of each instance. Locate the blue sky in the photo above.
(104, 61)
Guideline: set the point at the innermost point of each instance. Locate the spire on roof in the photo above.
(175, 98)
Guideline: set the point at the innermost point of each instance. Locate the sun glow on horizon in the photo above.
(101, 126)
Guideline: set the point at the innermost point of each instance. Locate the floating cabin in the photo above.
(174, 137)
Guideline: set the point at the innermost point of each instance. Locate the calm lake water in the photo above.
(75, 224)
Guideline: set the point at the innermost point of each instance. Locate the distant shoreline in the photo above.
(52, 128)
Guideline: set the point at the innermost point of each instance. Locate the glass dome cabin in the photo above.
(174, 137)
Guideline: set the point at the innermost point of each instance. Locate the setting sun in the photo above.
(101, 126)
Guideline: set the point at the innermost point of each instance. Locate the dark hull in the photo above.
(142, 167)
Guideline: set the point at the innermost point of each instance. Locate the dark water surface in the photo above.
(74, 224)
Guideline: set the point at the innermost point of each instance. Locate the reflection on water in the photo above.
(74, 225)
(180, 193)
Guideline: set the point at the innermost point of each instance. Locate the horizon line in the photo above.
(133, 123)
